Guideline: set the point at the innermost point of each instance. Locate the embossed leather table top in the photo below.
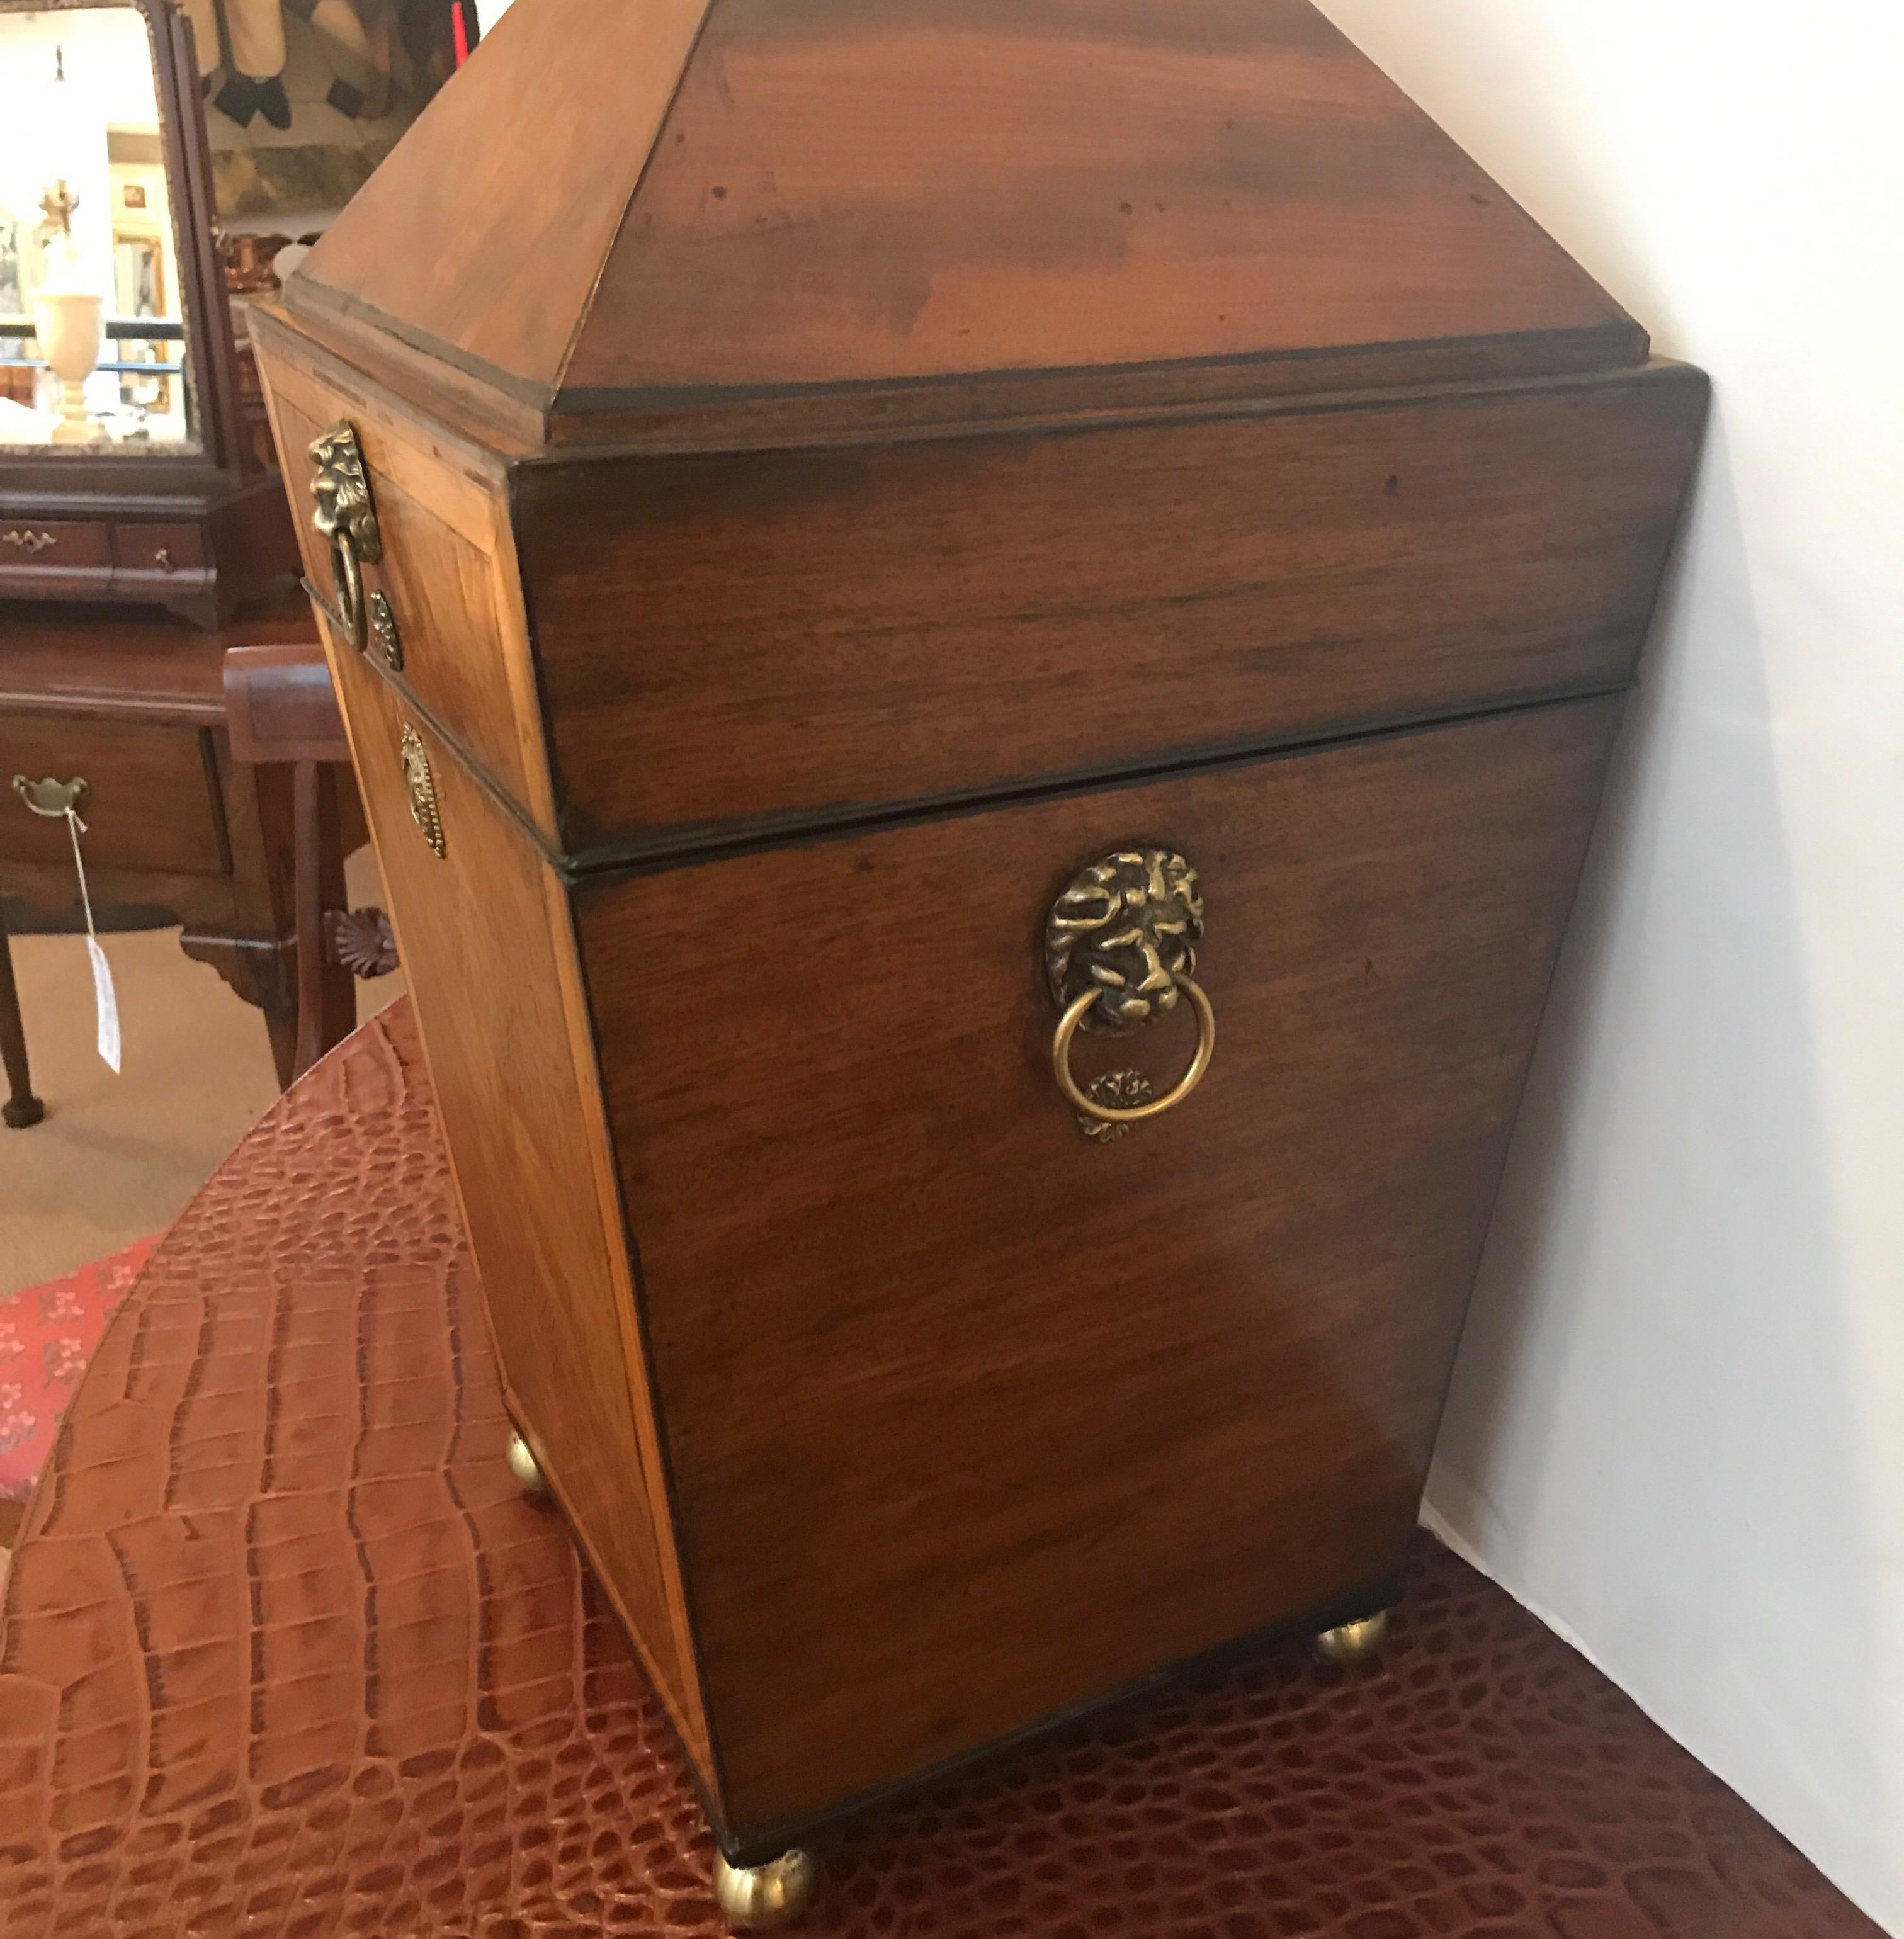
(285, 1652)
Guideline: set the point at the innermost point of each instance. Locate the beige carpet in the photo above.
(117, 1158)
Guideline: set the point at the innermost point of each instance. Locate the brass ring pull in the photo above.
(1108, 1114)
(347, 576)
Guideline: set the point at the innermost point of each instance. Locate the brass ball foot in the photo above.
(1354, 1643)
(528, 1477)
(753, 1896)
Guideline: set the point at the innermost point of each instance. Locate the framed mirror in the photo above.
(126, 472)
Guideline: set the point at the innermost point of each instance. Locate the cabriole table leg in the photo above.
(22, 1108)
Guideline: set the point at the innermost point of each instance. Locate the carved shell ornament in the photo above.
(360, 940)
(1127, 926)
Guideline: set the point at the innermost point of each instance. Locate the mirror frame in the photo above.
(225, 451)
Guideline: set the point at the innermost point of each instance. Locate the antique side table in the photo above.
(284, 1650)
(134, 705)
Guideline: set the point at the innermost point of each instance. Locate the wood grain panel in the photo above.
(485, 942)
(449, 565)
(858, 189)
(487, 236)
(926, 208)
(971, 1419)
(747, 636)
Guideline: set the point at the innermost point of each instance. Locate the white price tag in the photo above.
(106, 1002)
(106, 999)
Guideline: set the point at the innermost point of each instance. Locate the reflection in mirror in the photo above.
(92, 340)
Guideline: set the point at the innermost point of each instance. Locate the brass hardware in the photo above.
(1121, 1090)
(1127, 926)
(49, 798)
(345, 520)
(1088, 1105)
(528, 1473)
(1351, 1643)
(314, 593)
(162, 558)
(420, 784)
(29, 542)
(756, 1896)
(1120, 943)
(383, 630)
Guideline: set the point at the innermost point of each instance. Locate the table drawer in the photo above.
(150, 802)
(166, 549)
(52, 544)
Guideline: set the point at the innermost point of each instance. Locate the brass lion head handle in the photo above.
(1127, 926)
(1119, 947)
(347, 523)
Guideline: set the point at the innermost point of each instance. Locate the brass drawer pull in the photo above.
(29, 542)
(1123, 1098)
(53, 799)
(1119, 947)
(420, 784)
(347, 523)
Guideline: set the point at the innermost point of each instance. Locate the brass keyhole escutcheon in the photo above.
(347, 523)
(383, 630)
(420, 785)
(1120, 945)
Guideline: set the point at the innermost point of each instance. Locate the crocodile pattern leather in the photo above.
(285, 1654)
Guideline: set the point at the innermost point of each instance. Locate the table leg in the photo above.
(258, 955)
(287, 823)
(259, 970)
(327, 992)
(22, 1108)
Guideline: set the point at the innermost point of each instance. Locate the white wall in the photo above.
(48, 129)
(1677, 1426)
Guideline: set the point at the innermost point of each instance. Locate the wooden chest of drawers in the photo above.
(894, 573)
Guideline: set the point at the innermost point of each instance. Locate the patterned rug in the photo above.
(47, 1335)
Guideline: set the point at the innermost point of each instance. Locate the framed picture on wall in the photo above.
(304, 97)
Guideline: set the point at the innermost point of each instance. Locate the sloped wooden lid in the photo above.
(625, 211)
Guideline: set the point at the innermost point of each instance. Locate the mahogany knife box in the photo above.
(884, 525)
